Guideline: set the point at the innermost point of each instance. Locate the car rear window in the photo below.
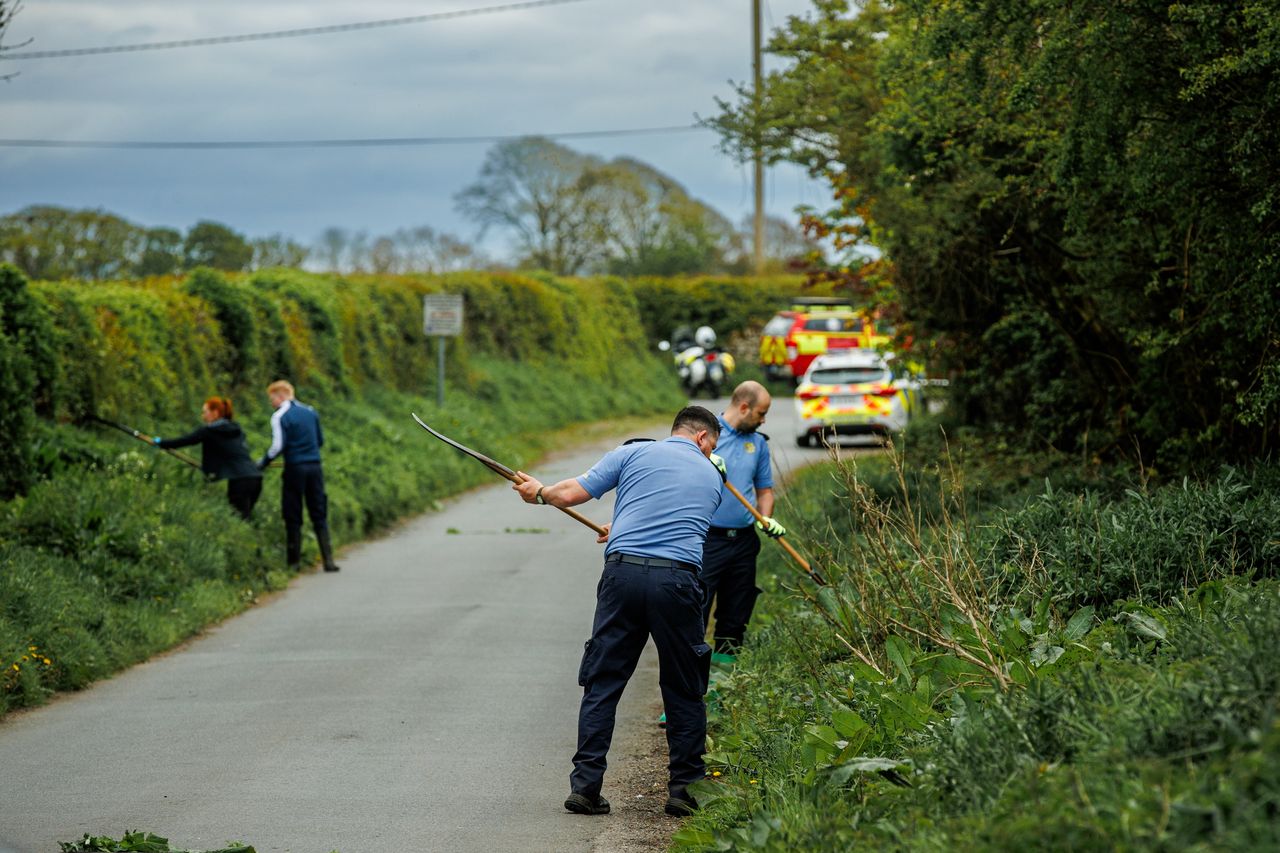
(778, 326)
(832, 324)
(849, 375)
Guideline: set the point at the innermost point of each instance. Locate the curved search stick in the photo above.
(143, 437)
(503, 471)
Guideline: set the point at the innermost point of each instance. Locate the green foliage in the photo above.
(725, 304)
(48, 242)
(235, 319)
(212, 244)
(1078, 199)
(118, 552)
(161, 252)
(17, 384)
(26, 321)
(135, 842)
(26, 378)
(1147, 546)
(935, 698)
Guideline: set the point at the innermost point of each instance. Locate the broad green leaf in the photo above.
(1146, 626)
(689, 836)
(1080, 623)
(847, 723)
(900, 654)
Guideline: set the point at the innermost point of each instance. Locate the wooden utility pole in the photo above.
(758, 221)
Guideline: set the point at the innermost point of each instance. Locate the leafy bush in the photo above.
(1148, 546)
(924, 701)
(118, 552)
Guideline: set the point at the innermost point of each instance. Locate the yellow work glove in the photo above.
(771, 527)
(719, 463)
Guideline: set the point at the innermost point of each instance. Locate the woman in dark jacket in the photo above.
(224, 454)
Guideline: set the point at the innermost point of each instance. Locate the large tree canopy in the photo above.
(573, 213)
(1080, 201)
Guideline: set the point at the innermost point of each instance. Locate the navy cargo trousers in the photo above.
(638, 597)
(729, 573)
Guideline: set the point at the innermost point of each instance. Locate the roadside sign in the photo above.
(442, 314)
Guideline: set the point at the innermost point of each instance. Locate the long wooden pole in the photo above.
(786, 546)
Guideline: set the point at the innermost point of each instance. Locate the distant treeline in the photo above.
(568, 214)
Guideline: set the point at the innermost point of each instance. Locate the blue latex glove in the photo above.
(771, 527)
(719, 463)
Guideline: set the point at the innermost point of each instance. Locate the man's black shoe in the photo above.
(680, 806)
(583, 804)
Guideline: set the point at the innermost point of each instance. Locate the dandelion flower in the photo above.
(753, 781)
(715, 772)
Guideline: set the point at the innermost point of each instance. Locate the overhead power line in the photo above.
(386, 142)
(283, 34)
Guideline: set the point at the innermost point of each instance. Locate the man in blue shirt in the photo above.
(295, 432)
(667, 492)
(729, 554)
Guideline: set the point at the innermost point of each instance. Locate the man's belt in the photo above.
(651, 562)
(727, 532)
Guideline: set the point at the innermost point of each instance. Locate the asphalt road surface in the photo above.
(424, 698)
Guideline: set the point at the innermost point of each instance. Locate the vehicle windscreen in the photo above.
(778, 326)
(849, 375)
(832, 324)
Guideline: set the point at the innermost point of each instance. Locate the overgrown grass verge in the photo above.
(125, 552)
(1003, 667)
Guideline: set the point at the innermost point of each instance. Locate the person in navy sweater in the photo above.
(223, 454)
(295, 433)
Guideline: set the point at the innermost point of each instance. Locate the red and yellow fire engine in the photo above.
(814, 326)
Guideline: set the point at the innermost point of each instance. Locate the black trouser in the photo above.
(729, 574)
(632, 602)
(304, 481)
(243, 493)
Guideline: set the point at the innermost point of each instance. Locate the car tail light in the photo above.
(887, 391)
(806, 393)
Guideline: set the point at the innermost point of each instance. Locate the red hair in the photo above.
(220, 406)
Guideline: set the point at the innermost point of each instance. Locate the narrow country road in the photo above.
(424, 698)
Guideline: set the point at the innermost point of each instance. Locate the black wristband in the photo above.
(538, 498)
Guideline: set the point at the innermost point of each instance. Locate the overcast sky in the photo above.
(584, 66)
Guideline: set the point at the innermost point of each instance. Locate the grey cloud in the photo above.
(585, 66)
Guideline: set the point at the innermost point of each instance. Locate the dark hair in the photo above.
(695, 419)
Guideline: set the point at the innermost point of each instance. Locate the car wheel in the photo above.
(804, 441)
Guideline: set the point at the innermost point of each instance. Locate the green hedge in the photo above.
(117, 551)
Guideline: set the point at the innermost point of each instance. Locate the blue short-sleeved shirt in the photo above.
(667, 492)
(746, 458)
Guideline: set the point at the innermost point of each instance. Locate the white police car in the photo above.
(852, 392)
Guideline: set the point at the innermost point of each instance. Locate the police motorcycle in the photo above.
(700, 364)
